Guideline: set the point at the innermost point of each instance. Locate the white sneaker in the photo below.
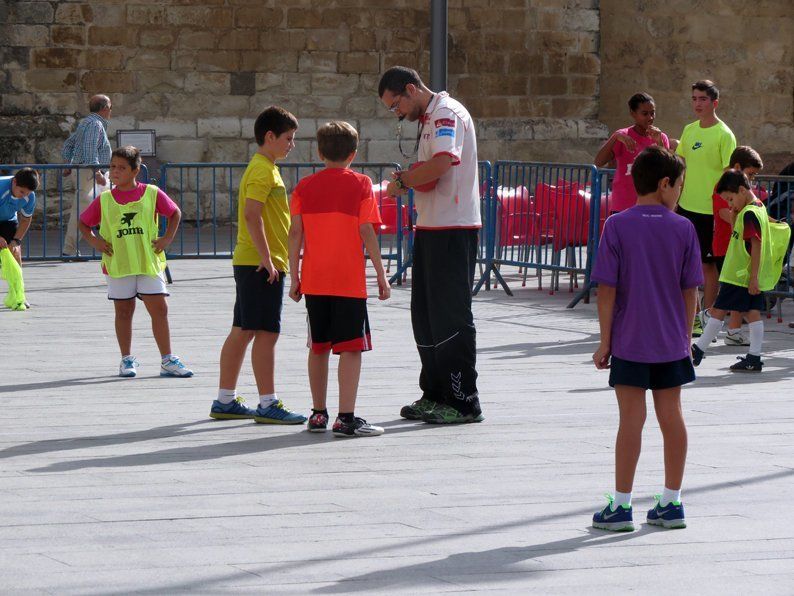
(128, 366)
(736, 339)
(173, 367)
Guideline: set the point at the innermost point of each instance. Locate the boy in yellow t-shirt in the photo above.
(260, 265)
(706, 146)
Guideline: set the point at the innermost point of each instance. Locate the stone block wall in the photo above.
(747, 48)
(199, 72)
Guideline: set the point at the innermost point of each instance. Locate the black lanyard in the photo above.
(419, 131)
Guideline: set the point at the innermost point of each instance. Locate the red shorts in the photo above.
(338, 323)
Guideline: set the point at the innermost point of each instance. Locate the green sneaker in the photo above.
(419, 408)
(697, 327)
(443, 414)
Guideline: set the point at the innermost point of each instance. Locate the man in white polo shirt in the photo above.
(446, 193)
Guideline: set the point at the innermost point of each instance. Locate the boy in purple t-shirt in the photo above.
(648, 271)
(625, 145)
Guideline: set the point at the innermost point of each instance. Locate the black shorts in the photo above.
(338, 323)
(258, 303)
(8, 229)
(704, 226)
(718, 261)
(659, 375)
(739, 299)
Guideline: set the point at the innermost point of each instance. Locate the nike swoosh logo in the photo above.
(612, 515)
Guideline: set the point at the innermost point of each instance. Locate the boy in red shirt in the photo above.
(333, 212)
(747, 160)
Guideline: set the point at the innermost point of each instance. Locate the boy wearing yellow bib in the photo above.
(752, 266)
(133, 257)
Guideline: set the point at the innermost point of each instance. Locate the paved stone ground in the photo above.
(117, 486)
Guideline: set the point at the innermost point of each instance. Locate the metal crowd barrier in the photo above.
(777, 192)
(541, 217)
(55, 200)
(207, 194)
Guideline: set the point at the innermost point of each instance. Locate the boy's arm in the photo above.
(690, 305)
(295, 243)
(755, 263)
(22, 229)
(606, 309)
(256, 228)
(96, 241)
(367, 233)
(160, 244)
(727, 215)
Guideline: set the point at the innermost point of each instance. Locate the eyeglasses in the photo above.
(396, 104)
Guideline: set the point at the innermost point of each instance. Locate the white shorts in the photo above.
(126, 288)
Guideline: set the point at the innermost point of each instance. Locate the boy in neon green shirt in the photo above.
(752, 266)
(260, 265)
(706, 146)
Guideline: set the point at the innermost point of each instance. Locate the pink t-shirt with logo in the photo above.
(92, 216)
(623, 193)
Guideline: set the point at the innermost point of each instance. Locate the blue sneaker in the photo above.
(276, 413)
(619, 519)
(671, 516)
(236, 410)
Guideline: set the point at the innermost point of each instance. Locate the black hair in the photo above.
(746, 157)
(397, 78)
(336, 140)
(639, 98)
(653, 165)
(732, 181)
(27, 178)
(276, 120)
(131, 154)
(707, 87)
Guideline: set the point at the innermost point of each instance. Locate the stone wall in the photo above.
(199, 72)
(747, 48)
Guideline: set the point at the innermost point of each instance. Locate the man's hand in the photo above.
(601, 357)
(629, 143)
(272, 274)
(394, 191)
(3, 243)
(16, 250)
(160, 244)
(100, 179)
(66, 172)
(384, 289)
(295, 289)
(753, 288)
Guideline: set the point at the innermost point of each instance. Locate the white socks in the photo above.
(669, 496)
(709, 333)
(268, 400)
(756, 337)
(227, 396)
(621, 499)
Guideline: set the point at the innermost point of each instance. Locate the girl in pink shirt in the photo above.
(625, 144)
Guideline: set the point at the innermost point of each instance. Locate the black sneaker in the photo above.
(318, 422)
(445, 414)
(418, 409)
(358, 428)
(697, 355)
(748, 363)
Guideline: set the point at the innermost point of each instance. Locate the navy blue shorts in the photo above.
(737, 298)
(658, 375)
(258, 304)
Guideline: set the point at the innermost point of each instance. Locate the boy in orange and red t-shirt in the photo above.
(333, 212)
(747, 160)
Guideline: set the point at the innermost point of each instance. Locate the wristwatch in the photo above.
(398, 181)
(17, 240)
